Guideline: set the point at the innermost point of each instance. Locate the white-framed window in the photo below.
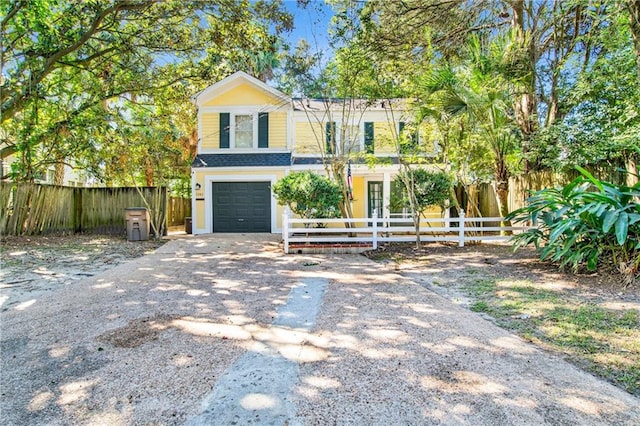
(346, 137)
(244, 130)
(352, 138)
(244, 135)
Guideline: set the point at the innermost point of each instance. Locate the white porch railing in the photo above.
(376, 230)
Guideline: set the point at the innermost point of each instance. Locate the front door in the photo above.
(375, 198)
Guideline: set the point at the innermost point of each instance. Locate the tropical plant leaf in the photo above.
(622, 228)
(592, 261)
(610, 218)
(589, 176)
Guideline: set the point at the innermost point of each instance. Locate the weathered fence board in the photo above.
(36, 209)
(177, 210)
(480, 199)
(28, 209)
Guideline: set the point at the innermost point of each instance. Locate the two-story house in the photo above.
(251, 135)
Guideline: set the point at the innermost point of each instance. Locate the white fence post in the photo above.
(285, 229)
(461, 229)
(374, 231)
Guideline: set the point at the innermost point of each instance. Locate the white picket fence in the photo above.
(298, 232)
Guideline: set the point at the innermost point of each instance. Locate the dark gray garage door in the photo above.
(241, 207)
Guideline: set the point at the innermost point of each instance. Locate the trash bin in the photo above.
(188, 225)
(137, 219)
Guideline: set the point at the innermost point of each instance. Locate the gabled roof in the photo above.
(233, 81)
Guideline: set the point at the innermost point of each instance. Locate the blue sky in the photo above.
(311, 23)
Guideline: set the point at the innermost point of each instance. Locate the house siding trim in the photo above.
(263, 130)
(253, 159)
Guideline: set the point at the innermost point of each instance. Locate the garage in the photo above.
(241, 207)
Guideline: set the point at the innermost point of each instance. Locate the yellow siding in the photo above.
(308, 137)
(359, 198)
(383, 138)
(200, 214)
(244, 94)
(210, 130)
(279, 213)
(277, 130)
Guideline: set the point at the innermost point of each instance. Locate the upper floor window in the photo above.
(244, 131)
(352, 138)
(345, 137)
(408, 138)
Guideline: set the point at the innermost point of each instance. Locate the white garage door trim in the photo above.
(208, 196)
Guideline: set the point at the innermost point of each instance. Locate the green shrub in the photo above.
(588, 223)
(309, 195)
(430, 188)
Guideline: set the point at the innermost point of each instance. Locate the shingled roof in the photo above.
(267, 159)
(242, 160)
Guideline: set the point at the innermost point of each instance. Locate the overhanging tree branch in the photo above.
(19, 97)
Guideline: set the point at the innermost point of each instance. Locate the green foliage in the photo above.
(601, 120)
(588, 223)
(106, 85)
(309, 195)
(427, 188)
(555, 88)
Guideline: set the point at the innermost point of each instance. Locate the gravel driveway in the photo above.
(228, 330)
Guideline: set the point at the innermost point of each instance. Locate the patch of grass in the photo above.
(603, 341)
(480, 306)
(481, 287)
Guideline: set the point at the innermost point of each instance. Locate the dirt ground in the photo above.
(499, 261)
(30, 266)
(587, 318)
(149, 341)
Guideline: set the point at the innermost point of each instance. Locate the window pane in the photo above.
(244, 131)
(352, 139)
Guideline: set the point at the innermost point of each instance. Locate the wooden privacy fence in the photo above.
(177, 210)
(481, 199)
(29, 209)
(370, 232)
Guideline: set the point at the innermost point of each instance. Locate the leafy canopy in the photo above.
(105, 85)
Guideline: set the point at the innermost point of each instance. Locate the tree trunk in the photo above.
(148, 173)
(502, 193)
(632, 169)
(633, 6)
(58, 176)
(416, 224)
(337, 171)
(526, 104)
(501, 177)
